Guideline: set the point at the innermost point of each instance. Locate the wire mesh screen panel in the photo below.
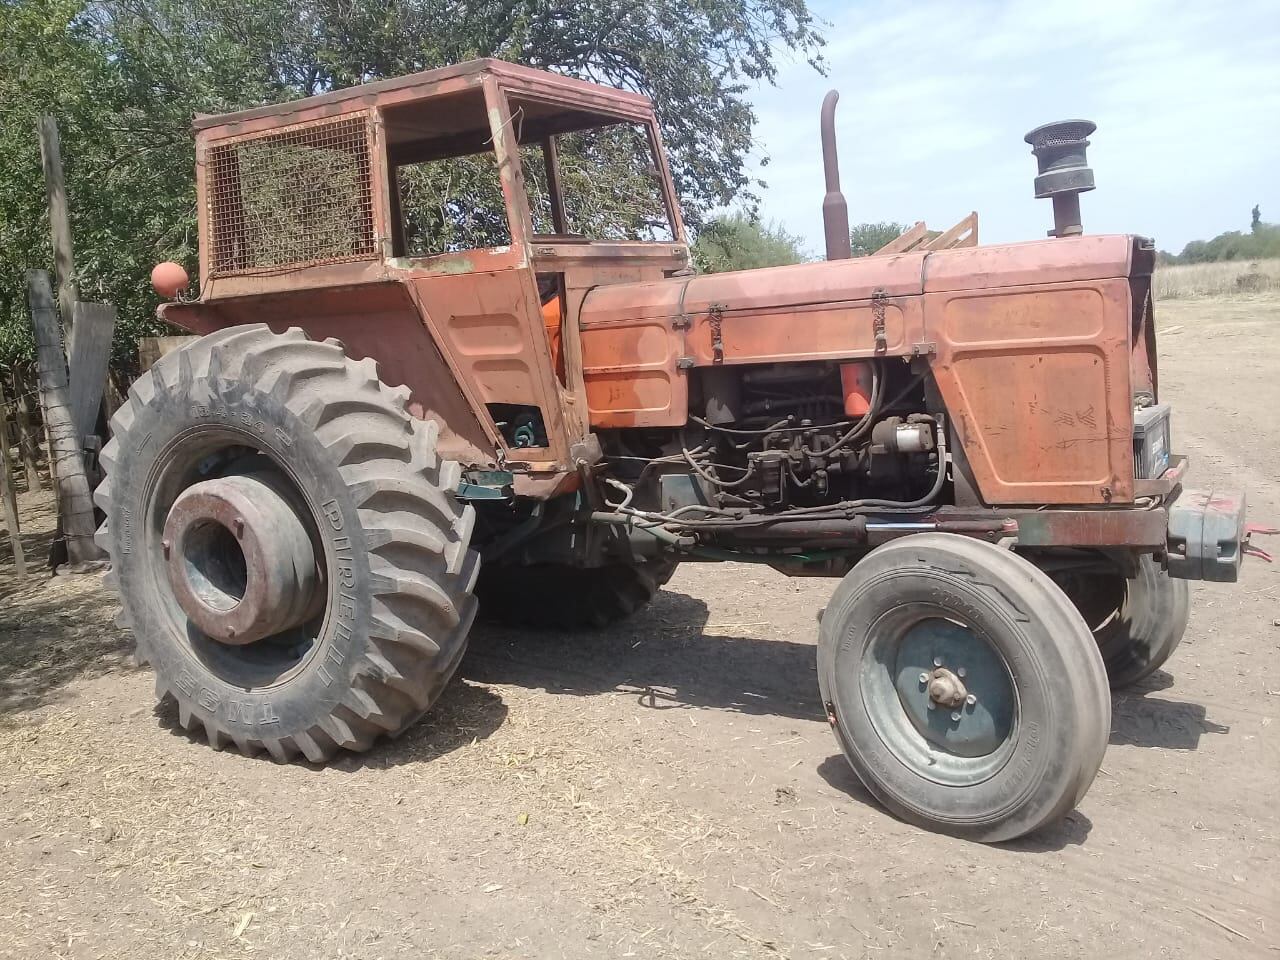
(297, 196)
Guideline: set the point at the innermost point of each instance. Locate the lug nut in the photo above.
(924, 677)
(960, 671)
(932, 705)
(955, 717)
(238, 523)
(971, 699)
(937, 661)
(166, 546)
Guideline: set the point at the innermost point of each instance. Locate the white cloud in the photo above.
(935, 98)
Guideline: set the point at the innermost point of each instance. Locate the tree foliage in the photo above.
(124, 78)
(1262, 242)
(867, 238)
(739, 242)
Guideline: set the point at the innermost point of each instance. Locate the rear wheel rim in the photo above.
(220, 562)
(939, 695)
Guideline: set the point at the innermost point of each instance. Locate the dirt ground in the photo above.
(666, 788)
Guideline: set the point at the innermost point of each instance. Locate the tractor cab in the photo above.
(481, 201)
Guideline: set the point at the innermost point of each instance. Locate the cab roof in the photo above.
(428, 83)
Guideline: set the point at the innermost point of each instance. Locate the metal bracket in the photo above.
(715, 313)
(486, 485)
(878, 301)
(684, 363)
(928, 348)
(681, 322)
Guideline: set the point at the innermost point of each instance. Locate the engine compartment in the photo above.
(808, 440)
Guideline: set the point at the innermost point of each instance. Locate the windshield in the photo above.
(587, 175)
(608, 185)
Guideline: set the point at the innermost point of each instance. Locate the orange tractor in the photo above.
(453, 355)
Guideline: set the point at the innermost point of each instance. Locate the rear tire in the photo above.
(1026, 748)
(1137, 622)
(558, 596)
(388, 621)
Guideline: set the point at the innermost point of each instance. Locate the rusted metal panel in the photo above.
(1099, 527)
(377, 320)
(481, 323)
(300, 278)
(633, 376)
(556, 253)
(1061, 260)
(428, 83)
(778, 288)
(1035, 379)
(639, 339)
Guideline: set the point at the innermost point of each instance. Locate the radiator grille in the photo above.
(293, 197)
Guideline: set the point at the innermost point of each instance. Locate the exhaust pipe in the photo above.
(835, 212)
(1059, 150)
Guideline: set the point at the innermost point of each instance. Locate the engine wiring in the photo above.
(720, 517)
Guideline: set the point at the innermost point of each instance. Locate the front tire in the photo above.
(1137, 622)
(1020, 713)
(228, 441)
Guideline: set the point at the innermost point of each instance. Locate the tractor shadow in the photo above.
(55, 631)
(662, 656)
(1141, 720)
(1071, 830)
(464, 714)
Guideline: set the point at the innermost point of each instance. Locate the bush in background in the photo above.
(740, 242)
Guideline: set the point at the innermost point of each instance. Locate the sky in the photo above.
(935, 98)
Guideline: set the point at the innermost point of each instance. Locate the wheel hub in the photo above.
(946, 689)
(953, 688)
(239, 559)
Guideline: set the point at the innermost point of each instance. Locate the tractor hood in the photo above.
(1081, 300)
(774, 289)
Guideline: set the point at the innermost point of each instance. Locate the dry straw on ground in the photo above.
(1229, 278)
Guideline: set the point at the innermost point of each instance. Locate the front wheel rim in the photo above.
(939, 695)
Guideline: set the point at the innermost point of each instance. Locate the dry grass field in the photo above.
(666, 788)
(1228, 279)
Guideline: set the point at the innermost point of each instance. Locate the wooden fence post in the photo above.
(28, 446)
(6, 489)
(59, 222)
(95, 323)
(75, 504)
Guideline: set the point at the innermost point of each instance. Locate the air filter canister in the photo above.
(1059, 150)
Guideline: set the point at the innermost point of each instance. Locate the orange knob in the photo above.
(169, 279)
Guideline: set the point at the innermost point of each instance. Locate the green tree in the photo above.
(867, 238)
(739, 242)
(1260, 243)
(125, 77)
